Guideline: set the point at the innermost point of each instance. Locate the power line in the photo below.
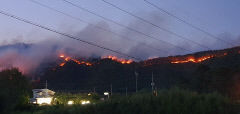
(187, 23)
(146, 21)
(78, 19)
(66, 35)
(124, 26)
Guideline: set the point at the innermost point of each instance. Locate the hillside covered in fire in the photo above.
(204, 71)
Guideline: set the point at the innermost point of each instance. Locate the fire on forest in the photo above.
(120, 60)
(197, 60)
(66, 59)
(193, 59)
(178, 60)
(113, 58)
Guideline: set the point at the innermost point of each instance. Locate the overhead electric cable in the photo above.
(161, 28)
(66, 35)
(99, 27)
(124, 26)
(187, 23)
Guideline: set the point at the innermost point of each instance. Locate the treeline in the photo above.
(15, 91)
(173, 101)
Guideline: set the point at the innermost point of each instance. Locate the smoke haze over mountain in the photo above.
(28, 57)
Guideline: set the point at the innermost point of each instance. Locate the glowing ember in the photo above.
(198, 60)
(194, 60)
(66, 59)
(62, 64)
(120, 60)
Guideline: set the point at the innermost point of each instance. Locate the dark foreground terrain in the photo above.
(16, 92)
(173, 101)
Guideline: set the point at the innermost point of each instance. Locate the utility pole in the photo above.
(126, 91)
(156, 93)
(152, 84)
(136, 74)
(111, 89)
(46, 84)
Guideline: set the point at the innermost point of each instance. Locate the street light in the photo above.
(106, 94)
(85, 102)
(70, 102)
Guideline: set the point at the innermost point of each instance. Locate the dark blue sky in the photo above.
(219, 17)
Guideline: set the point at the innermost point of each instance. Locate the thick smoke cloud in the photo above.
(26, 57)
(29, 58)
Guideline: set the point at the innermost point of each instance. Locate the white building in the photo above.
(42, 96)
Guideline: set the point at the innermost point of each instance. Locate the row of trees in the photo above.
(77, 98)
(15, 90)
(173, 101)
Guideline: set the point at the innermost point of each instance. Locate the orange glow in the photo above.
(62, 64)
(193, 59)
(61, 56)
(66, 59)
(198, 60)
(120, 60)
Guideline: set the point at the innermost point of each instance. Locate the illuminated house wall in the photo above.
(42, 96)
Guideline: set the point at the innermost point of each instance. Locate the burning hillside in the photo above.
(197, 59)
(192, 58)
(67, 58)
(120, 60)
(82, 62)
(17, 56)
(182, 68)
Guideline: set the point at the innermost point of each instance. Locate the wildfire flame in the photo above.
(197, 60)
(120, 60)
(194, 60)
(62, 64)
(66, 59)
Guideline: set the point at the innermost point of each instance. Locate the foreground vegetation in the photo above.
(17, 91)
(173, 101)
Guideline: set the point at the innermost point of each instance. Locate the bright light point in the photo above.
(85, 102)
(42, 101)
(62, 56)
(70, 102)
(89, 94)
(106, 93)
